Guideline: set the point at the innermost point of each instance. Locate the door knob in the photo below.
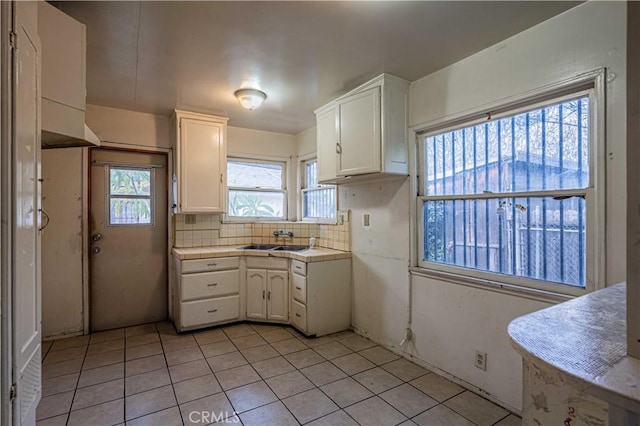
(96, 237)
(95, 250)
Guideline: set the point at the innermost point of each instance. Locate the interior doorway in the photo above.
(128, 231)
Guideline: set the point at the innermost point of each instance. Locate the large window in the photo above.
(257, 189)
(511, 195)
(318, 201)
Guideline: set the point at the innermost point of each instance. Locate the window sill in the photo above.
(490, 285)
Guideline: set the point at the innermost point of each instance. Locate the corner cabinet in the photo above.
(364, 133)
(267, 289)
(201, 157)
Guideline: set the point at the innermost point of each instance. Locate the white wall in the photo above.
(62, 269)
(451, 321)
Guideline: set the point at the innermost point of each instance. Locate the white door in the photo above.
(256, 293)
(327, 145)
(26, 305)
(201, 158)
(128, 253)
(277, 295)
(359, 133)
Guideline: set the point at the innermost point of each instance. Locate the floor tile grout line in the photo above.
(173, 389)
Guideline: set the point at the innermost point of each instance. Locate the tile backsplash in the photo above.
(208, 230)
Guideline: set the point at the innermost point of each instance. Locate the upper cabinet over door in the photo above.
(368, 139)
(201, 157)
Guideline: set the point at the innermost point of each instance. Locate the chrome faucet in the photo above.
(282, 233)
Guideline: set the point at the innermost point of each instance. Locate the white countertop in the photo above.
(318, 254)
(585, 340)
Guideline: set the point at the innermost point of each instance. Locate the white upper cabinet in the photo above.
(327, 132)
(368, 138)
(201, 158)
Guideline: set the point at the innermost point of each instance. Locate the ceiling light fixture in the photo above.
(250, 98)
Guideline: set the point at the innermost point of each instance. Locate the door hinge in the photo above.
(12, 39)
(12, 393)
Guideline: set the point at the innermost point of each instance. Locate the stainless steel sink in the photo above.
(273, 247)
(259, 247)
(291, 248)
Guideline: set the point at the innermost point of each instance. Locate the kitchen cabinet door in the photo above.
(326, 145)
(201, 164)
(278, 295)
(256, 293)
(359, 133)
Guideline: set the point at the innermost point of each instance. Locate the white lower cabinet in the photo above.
(207, 293)
(268, 289)
(321, 302)
(314, 297)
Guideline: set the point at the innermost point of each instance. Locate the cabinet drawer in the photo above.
(214, 264)
(209, 311)
(299, 288)
(299, 315)
(267, 263)
(299, 267)
(209, 284)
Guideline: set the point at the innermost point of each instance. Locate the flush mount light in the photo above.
(250, 98)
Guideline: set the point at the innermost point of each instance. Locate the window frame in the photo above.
(302, 163)
(151, 197)
(283, 190)
(592, 84)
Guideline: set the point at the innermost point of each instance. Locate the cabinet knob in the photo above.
(298, 315)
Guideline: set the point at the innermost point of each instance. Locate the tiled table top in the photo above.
(318, 254)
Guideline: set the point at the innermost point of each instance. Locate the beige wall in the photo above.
(306, 142)
(62, 191)
(62, 268)
(129, 127)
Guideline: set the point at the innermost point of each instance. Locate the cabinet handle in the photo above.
(221, 180)
(338, 148)
(212, 285)
(298, 315)
(299, 288)
(212, 264)
(269, 295)
(299, 268)
(213, 311)
(263, 294)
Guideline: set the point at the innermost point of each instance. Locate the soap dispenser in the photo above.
(312, 241)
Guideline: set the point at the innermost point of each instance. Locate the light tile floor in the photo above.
(254, 374)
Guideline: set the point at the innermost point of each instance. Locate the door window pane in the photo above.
(129, 181)
(130, 211)
(130, 196)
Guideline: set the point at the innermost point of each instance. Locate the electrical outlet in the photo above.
(341, 219)
(481, 360)
(190, 219)
(365, 219)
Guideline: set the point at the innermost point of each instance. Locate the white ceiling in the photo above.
(157, 56)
